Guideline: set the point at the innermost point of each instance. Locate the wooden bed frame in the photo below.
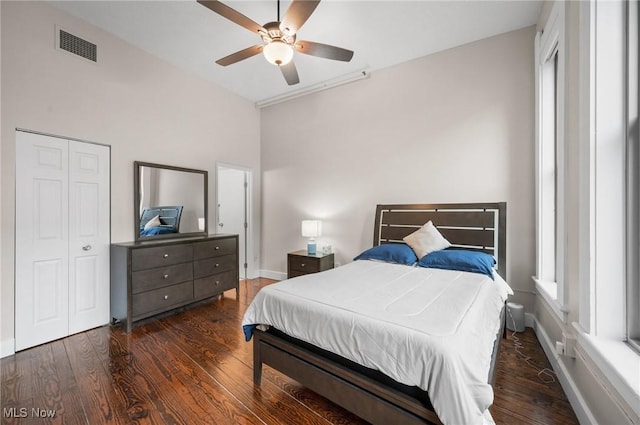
(365, 392)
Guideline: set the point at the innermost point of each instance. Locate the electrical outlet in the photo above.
(559, 348)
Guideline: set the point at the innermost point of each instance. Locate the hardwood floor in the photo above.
(194, 367)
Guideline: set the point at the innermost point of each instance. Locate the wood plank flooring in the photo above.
(194, 367)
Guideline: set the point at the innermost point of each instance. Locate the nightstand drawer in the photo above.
(214, 284)
(162, 299)
(145, 280)
(209, 266)
(304, 264)
(214, 248)
(148, 258)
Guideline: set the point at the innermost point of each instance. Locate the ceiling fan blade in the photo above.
(240, 55)
(324, 50)
(232, 15)
(296, 15)
(290, 73)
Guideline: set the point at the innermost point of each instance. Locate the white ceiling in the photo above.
(381, 33)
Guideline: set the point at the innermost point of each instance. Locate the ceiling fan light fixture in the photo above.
(278, 52)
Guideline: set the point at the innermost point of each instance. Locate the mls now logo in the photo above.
(23, 412)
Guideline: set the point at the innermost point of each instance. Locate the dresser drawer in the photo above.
(148, 258)
(145, 280)
(304, 264)
(214, 248)
(162, 299)
(214, 284)
(209, 266)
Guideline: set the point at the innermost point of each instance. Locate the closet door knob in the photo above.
(87, 248)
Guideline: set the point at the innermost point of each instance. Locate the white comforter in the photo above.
(425, 327)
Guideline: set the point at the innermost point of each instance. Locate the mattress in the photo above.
(429, 328)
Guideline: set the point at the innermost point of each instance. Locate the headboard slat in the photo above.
(474, 237)
(441, 218)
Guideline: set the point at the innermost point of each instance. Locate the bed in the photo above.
(160, 220)
(394, 363)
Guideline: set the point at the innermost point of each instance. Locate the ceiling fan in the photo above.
(279, 37)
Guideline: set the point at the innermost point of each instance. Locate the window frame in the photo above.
(550, 215)
(633, 177)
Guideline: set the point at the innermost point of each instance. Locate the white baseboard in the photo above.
(7, 347)
(579, 405)
(269, 274)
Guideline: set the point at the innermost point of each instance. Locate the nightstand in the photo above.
(300, 263)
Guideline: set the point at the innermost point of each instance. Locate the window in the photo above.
(633, 178)
(550, 147)
(609, 292)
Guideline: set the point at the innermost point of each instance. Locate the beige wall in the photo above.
(455, 126)
(142, 107)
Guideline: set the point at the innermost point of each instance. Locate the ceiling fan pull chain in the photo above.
(278, 10)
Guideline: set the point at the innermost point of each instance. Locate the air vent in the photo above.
(77, 46)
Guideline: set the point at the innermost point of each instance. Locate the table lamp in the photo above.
(311, 229)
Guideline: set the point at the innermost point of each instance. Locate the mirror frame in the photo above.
(136, 201)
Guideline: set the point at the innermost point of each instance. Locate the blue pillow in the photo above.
(397, 253)
(461, 260)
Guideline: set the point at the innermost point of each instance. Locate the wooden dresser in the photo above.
(152, 277)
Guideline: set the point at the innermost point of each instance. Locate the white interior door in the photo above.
(88, 236)
(58, 290)
(232, 208)
(42, 238)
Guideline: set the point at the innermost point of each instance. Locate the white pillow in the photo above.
(154, 222)
(426, 239)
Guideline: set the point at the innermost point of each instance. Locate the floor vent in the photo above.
(77, 46)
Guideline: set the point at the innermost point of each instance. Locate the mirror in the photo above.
(169, 202)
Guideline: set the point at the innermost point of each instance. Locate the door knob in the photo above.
(86, 248)
(221, 224)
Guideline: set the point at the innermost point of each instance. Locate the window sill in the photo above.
(549, 292)
(617, 361)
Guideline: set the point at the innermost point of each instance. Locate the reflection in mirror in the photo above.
(169, 201)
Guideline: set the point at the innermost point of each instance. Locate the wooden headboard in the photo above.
(480, 226)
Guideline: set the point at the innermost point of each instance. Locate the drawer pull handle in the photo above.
(165, 276)
(302, 265)
(217, 265)
(166, 297)
(217, 248)
(217, 282)
(165, 256)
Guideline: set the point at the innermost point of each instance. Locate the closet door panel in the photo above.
(42, 260)
(88, 236)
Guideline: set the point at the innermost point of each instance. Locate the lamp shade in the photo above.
(278, 52)
(311, 228)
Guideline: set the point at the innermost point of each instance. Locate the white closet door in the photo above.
(88, 236)
(42, 239)
(62, 238)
